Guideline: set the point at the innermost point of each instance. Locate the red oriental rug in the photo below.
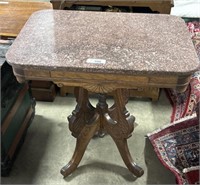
(177, 147)
(177, 144)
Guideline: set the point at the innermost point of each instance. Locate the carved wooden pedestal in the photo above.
(86, 120)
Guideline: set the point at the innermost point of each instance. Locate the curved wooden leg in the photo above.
(83, 123)
(126, 156)
(81, 144)
(119, 125)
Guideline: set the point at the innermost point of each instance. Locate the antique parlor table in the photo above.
(103, 52)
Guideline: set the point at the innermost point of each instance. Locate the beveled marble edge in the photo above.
(99, 71)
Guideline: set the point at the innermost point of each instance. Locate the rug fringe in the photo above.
(173, 124)
(186, 170)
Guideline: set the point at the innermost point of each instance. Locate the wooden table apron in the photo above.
(36, 54)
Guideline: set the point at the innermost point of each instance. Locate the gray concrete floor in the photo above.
(49, 146)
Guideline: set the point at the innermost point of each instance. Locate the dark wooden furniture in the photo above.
(17, 112)
(43, 90)
(74, 49)
(161, 6)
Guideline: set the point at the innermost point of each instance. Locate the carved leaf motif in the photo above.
(123, 126)
(118, 114)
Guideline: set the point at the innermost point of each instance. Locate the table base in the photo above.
(116, 121)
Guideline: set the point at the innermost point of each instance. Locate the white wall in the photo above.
(186, 8)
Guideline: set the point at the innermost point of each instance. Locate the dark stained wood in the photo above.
(162, 6)
(85, 121)
(43, 90)
(21, 131)
(84, 112)
(120, 125)
(83, 125)
(14, 109)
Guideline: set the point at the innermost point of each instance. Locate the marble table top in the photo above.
(104, 42)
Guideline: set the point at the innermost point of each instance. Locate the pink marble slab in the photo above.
(128, 43)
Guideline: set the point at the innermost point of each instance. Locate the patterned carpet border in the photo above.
(177, 145)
